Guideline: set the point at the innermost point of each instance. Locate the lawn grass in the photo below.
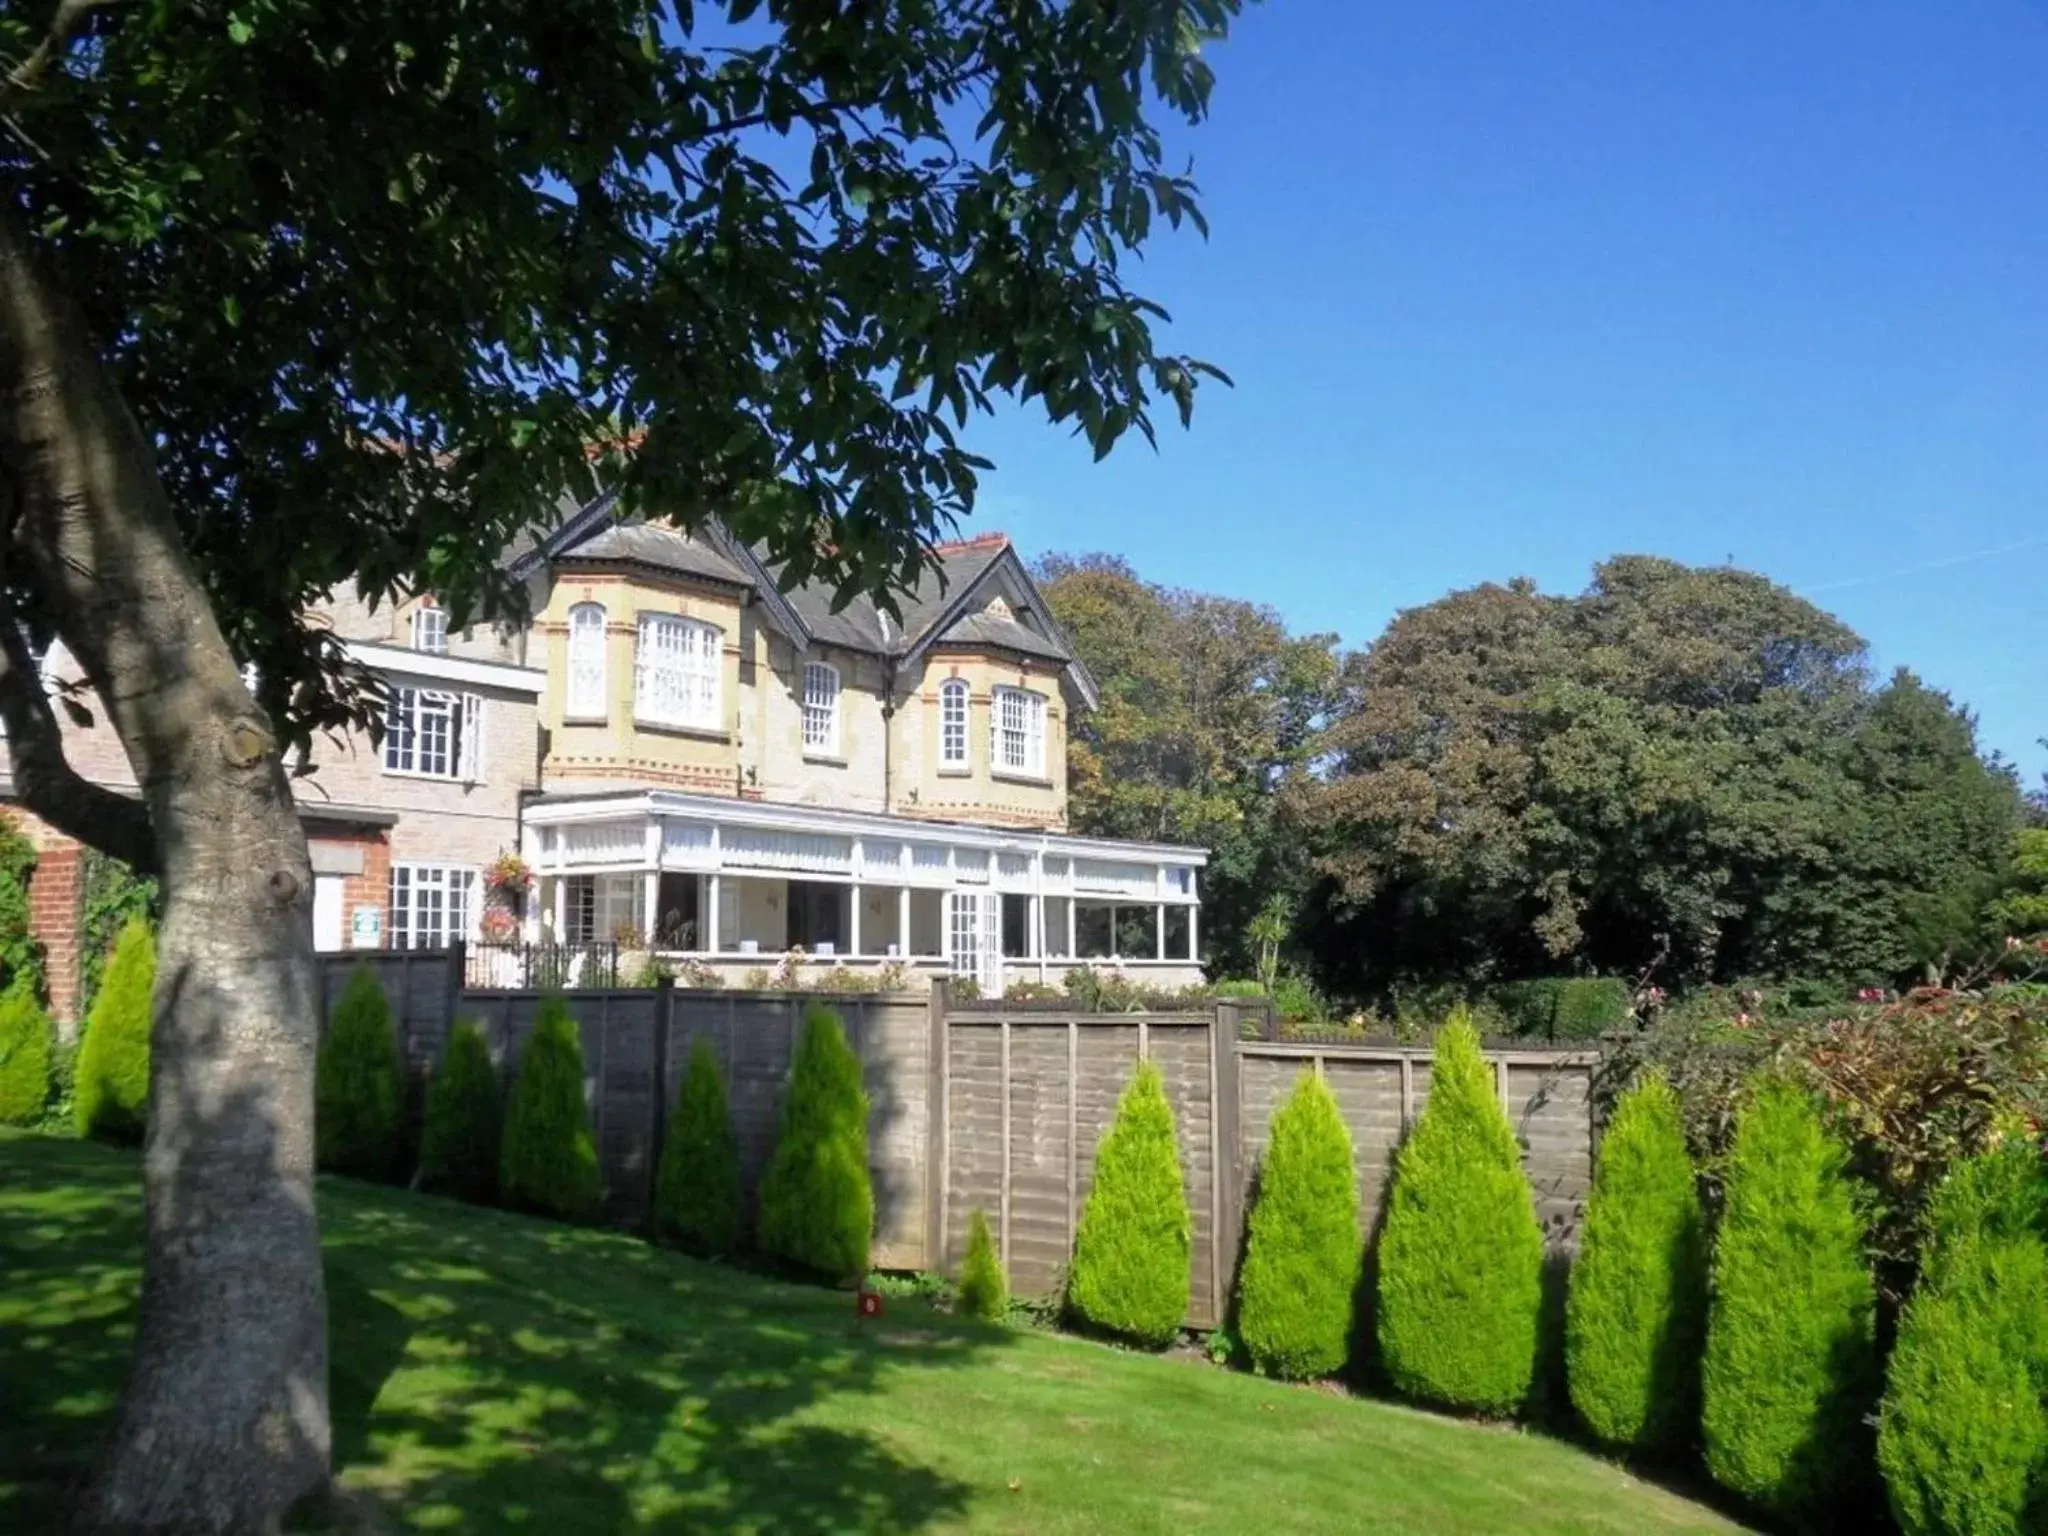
(497, 1374)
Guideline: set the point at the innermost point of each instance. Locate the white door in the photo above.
(327, 903)
(974, 931)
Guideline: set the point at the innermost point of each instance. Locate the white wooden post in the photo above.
(853, 926)
(1073, 928)
(1194, 948)
(903, 921)
(1162, 930)
(710, 917)
(561, 909)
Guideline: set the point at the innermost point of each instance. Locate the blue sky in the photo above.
(1506, 289)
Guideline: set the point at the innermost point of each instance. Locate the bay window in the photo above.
(586, 700)
(953, 723)
(1018, 717)
(676, 673)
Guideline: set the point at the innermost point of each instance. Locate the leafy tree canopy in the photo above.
(423, 268)
(1680, 766)
(1209, 705)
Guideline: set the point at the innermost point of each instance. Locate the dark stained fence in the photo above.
(993, 1107)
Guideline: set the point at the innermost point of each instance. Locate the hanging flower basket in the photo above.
(509, 875)
(498, 926)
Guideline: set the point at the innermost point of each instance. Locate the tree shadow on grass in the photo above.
(491, 1373)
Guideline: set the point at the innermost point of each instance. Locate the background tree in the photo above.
(1679, 767)
(406, 264)
(1208, 707)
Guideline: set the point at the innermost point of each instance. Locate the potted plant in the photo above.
(509, 875)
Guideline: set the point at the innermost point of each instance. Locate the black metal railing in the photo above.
(540, 967)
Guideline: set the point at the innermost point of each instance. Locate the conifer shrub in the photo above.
(984, 1288)
(1130, 1271)
(1636, 1317)
(111, 1089)
(1791, 1366)
(358, 1089)
(1963, 1435)
(1303, 1252)
(549, 1159)
(460, 1141)
(1461, 1256)
(817, 1206)
(24, 1058)
(697, 1192)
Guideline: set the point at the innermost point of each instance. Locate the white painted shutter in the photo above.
(472, 738)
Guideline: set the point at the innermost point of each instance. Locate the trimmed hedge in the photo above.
(1461, 1258)
(24, 1058)
(1530, 1006)
(357, 1095)
(1591, 1006)
(112, 1085)
(1636, 1318)
(984, 1288)
(1963, 1437)
(817, 1206)
(1130, 1271)
(549, 1161)
(697, 1193)
(460, 1141)
(1791, 1360)
(1303, 1254)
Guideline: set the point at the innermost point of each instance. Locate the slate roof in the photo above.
(659, 548)
(931, 613)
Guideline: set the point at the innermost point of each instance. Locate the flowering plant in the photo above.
(510, 874)
(498, 926)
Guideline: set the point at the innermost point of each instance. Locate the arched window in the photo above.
(676, 677)
(821, 708)
(953, 723)
(586, 663)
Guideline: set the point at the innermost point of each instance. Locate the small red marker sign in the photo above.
(868, 1303)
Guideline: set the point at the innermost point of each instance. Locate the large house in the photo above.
(685, 757)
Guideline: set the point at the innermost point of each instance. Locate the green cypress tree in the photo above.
(1636, 1318)
(984, 1288)
(817, 1206)
(1302, 1257)
(549, 1160)
(1791, 1362)
(459, 1143)
(697, 1193)
(24, 1058)
(1461, 1257)
(1130, 1272)
(111, 1093)
(1963, 1436)
(357, 1097)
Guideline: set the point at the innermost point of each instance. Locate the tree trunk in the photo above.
(224, 1422)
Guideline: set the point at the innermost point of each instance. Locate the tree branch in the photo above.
(44, 777)
(70, 20)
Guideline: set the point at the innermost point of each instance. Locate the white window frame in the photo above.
(586, 670)
(678, 673)
(953, 732)
(433, 734)
(821, 709)
(1016, 720)
(430, 630)
(432, 905)
(595, 907)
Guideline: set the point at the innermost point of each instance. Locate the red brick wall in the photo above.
(56, 894)
(371, 888)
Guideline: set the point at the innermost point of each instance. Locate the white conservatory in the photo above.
(739, 884)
